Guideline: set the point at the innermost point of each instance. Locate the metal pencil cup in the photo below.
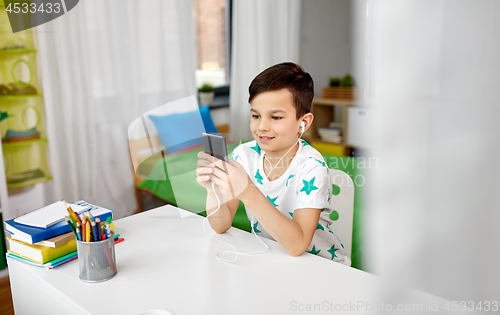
(97, 260)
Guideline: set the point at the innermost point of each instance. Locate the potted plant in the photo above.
(206, 93)
(341, 88)
(335, 81)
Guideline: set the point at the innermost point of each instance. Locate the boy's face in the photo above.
(273, 123)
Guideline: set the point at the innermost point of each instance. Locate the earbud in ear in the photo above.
(303, 124)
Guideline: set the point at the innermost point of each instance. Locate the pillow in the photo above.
(207, 119)
(181, 130)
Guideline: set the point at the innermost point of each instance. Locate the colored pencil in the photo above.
(78, 228)
(71, 226)
(71, 212)
(84, 232)
(87, 232)
(74, 216)
(99, 229)
(110, 258)
(95, 234)
(71, 218)
(119, 240)
(88, 221)
(103, 235)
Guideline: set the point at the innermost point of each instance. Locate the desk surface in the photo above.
(168, 263)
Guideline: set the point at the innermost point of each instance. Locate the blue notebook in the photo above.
(31, 234)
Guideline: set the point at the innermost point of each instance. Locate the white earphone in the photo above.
(303, 125)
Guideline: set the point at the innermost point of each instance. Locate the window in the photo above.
(213, 21)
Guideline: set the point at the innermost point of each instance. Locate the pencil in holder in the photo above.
(96, 260)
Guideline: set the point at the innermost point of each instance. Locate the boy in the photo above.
(282, 180)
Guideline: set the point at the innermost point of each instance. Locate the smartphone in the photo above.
(215, 145)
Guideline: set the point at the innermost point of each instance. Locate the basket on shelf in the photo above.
(340, 92)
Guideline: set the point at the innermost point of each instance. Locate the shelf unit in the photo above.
(323, 110)
(22, 127)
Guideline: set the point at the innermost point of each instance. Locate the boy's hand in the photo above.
(231, 183)
(204, 169)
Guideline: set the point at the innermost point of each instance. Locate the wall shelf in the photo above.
(4, 98)
(323, 110)
(22, 143)
(17, 51)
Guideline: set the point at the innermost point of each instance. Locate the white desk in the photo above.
(167, 262)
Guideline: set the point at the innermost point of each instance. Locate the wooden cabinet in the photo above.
(324, 111)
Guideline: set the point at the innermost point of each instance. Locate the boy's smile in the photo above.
(274, 124)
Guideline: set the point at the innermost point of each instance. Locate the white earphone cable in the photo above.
(273, 167)
(234, 249)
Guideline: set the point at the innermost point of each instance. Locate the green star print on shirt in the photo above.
(255, 227)
(288, 179)
(309, 186)
(259, 178)
(314, 251)
(272, 200)
(256, 148)
(234, 156)
(320, 227)
(332, 251)
(322, 163)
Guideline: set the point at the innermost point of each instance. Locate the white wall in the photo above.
(23, 200)
(325, 40)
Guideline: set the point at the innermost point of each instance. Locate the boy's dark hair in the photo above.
(286, 75)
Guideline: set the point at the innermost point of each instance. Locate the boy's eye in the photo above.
(277, 117)
(255, 116)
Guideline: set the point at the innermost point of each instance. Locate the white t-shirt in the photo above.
(305, 184)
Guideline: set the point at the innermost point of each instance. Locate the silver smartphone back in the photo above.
(215, 145)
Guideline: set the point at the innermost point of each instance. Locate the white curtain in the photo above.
(103, 64)
(431, 70)
(264, 33)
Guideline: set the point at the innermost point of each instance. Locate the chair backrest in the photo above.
(343, 204)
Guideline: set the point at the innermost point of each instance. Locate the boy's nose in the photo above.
(263, 125)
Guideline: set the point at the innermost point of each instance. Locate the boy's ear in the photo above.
(307, 119)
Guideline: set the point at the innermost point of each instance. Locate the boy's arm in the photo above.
(221, 220)
(294, 235)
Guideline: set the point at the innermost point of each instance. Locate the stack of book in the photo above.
(330, 134)
(43, 237)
